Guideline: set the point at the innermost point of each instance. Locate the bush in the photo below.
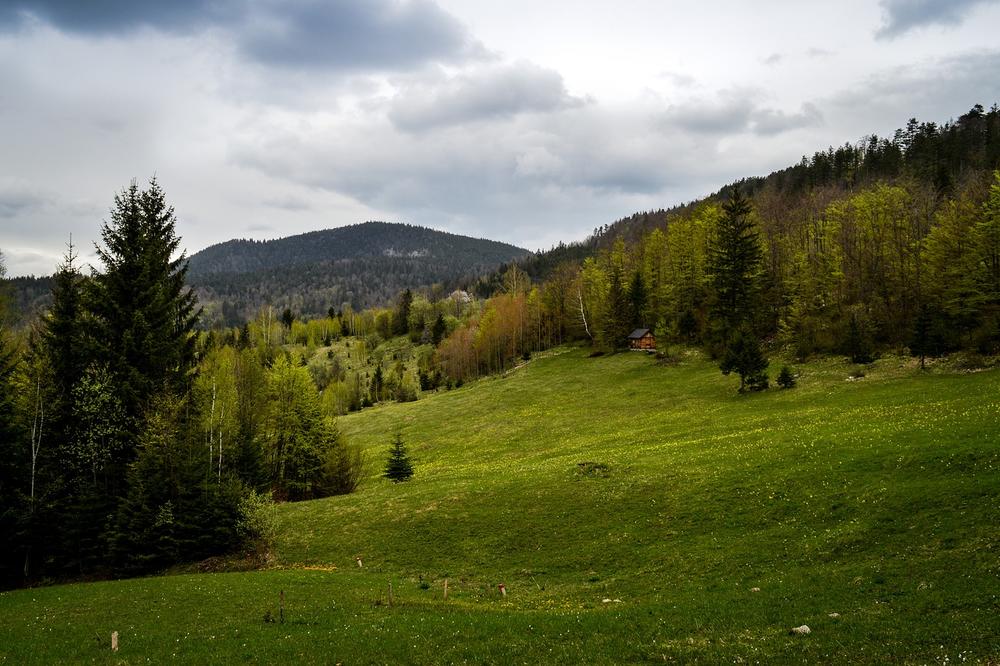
(257, 523)
(345, 467)
(786, 378)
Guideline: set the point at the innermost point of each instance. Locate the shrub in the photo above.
(345, 467)
(257, 523)
(786, 378)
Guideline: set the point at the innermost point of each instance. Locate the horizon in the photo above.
(525, 125)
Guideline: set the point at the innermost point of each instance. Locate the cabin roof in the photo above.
(638, 333)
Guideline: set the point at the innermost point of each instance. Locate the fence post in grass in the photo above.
(114, 641)
(281, 606)
(446, 589)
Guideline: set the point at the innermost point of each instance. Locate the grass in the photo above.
(631, 510)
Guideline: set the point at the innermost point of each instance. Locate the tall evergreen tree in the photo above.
(617, 322)
(144, 314)
(734, 266)
(637, 296)
(438, 330)
(11, 451)
(401, 317)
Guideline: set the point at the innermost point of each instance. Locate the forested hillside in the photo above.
(889, 243)
(362, 265)
(941, 157)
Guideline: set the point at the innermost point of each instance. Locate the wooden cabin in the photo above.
(641, 338)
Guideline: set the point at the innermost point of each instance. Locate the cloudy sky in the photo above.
(524, 121)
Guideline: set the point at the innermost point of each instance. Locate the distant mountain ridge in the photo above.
(367, 239)
(361, 265)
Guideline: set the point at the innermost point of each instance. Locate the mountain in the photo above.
(361, 265)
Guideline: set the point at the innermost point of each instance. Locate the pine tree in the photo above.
(637, 297)
(438, 330)
(399, 468)
(744, 356)
(617, 318)
(287, 318)
(786, 378)
(401, 317)
(12, 458)
(858, 344)
(926, 338)
(734, 264)
(144, 314)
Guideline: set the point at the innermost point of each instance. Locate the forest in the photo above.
(135, 438)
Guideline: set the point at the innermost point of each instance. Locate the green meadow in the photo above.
(635, 511)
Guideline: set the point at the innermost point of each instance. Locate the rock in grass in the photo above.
(755, 589)
(801, 631)
(834, 615)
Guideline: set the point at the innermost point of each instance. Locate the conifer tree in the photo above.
(637, 300)
(743, 356)
(734, 265)
(144, 314)
(617, 318)
(401, 317)
(399, 468)
(438, 330)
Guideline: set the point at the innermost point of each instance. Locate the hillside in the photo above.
(363, 265)
(635, 512)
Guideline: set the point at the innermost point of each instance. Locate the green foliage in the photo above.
(398, 468)
(143, 313)
(858, 343)
(827, 499)
(744, 356)
(257, 524)
(786, 378)
(734, 265)
(296, 441)
(345, 464)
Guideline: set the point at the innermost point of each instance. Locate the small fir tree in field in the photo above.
(926, 338)
(786, 378)
(744, 357)
(858, 345)
(399, 468)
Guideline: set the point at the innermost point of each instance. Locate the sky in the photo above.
(522, 121)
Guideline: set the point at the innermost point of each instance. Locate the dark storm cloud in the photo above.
(337, 34)
(901, 16)
(495, 92)
(115, 16)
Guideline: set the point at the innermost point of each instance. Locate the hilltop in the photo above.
(361, 265)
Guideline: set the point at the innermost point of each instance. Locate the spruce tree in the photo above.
(401, 317)
(144, 315)
(927, 338)
(734, 265)
(438, 330)
(744, 356)
(637, 297)
(617, 317)
(399, 468)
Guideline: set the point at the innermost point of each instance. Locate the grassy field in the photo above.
(634, 511)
